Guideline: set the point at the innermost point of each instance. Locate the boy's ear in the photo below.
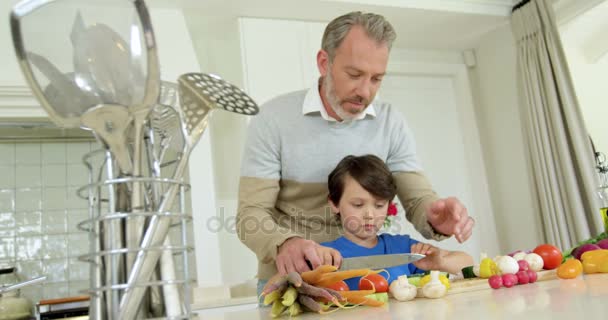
(333, 207)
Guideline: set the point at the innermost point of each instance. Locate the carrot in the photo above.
(295, 279)
(274, 283)
(332, 277)
(355, 294)
(313, 291)
(315, 275)
(365, 301)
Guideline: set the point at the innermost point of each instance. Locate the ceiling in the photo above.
(588, 33)
(420, 24)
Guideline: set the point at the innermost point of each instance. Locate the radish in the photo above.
(495, 281)
(509, 280)
(578, 252)
(602, 244)
(532, 276)
(523, 265)
(522, 277)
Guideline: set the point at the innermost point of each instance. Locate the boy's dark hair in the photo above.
(369, 171)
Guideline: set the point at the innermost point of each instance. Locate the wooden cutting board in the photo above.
(467, 285)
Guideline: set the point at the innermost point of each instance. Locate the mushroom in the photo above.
(434, 289)
(402, 289)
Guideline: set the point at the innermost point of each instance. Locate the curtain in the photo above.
(559, 153)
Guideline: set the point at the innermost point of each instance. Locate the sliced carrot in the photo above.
(355, 293)
(315, 275)
(365, 301)
(332, 277)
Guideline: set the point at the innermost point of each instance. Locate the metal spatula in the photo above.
(199, 94)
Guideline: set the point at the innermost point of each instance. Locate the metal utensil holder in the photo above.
(106, 225)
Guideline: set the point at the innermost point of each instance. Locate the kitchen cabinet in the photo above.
(555, 299)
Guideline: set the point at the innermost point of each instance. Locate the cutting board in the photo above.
(474, 284)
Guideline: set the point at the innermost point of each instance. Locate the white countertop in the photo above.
(585, 297)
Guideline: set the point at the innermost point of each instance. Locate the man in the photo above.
(298, 138)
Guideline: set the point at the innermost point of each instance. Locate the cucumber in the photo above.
(467, 272)
(381, 296)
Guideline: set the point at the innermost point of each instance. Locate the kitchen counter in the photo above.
(585, 297)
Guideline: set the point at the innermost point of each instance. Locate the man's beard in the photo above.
(335, 103)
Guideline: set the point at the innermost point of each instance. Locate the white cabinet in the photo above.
(279, 56)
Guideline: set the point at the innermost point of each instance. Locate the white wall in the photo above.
(497, 109)
(590, 80)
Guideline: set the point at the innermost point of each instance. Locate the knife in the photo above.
(379, 261)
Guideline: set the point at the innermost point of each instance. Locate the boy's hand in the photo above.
(433, 258)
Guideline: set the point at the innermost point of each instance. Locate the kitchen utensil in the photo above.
(165, 124)
(198, 94)
(5, 289)
(380, 261)
(103, 69)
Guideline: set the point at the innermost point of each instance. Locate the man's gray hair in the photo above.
(375, 25)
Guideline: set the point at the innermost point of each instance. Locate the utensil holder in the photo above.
(108, 198)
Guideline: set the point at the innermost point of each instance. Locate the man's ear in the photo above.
(322, 62)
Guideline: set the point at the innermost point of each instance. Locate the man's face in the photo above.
(353, 79)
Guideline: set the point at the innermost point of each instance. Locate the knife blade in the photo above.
(379, 261)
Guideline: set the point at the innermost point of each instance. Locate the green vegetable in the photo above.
(467, 272)
(382, 296)
(414, 279)
(594, 240)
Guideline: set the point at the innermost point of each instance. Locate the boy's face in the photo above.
(362, 214)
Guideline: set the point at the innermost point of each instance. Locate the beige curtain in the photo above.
(559, 152)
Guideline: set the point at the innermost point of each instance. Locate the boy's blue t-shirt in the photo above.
(387, 244)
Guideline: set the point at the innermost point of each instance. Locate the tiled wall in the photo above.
(39, 211)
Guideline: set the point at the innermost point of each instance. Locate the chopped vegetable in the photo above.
(535, 261)
(289, 297)
(570, 269)
(603, 244)
(295, 309)
(467, 272)
(330, 278)
(595, 261)
(402, 290)
(509, 280)
(506, 264)
(272, 297)
(277, 309)
(600, 237)
(495, 281)
(551, 255)
(434, 289)
(375, 282)
(520, 255)
(522, 277)
(578, 252)
(356, 293)
(487, 268)
(314, 276)
(523, 265)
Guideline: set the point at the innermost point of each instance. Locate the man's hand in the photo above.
(449, 216)
(295, 252)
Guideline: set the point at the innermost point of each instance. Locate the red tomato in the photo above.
(339, 286)
(373, 281)
(552, 256)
